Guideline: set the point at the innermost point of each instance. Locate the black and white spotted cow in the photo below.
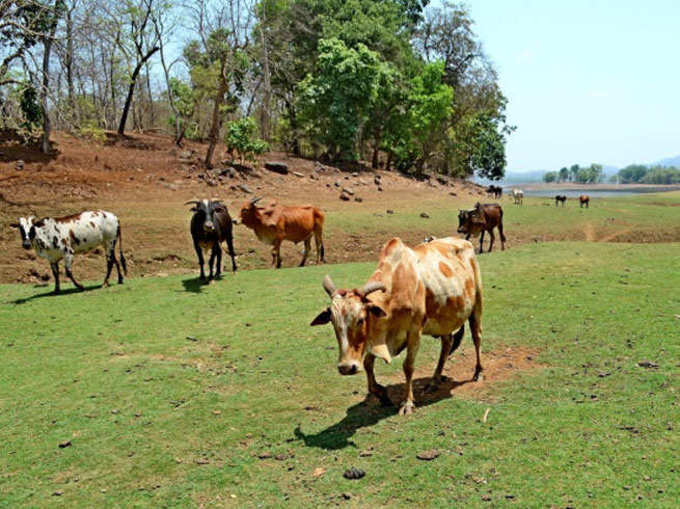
(62, 237)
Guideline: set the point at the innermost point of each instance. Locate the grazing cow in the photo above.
(62, 237)
(518, 196)
(560, 198)
(584, 199)
(431, 289)
(274, 223)
(495, 191)
(482, 218)
(210, 226)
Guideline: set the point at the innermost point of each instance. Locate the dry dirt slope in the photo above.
(145, 180)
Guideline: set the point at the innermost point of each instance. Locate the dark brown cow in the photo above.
(482, 218)
(584, 199)
(560, 198)
(495, 191)
(273, 223)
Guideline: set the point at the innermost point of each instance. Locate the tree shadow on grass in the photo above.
(369, 412)
(194, 284)
(52, 294)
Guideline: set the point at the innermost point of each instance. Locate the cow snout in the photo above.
(26, 244)
(348, 368)
(209, 227)
(462, 229)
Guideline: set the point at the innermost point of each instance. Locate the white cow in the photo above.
(62, 237)
(518, 196)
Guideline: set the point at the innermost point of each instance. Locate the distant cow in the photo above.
(495, 191)
(518, 196)
(480, 219)
(210, 226)
(274, 223)
(433, 289)
(584, 199)
(62, 237)
(560, 198)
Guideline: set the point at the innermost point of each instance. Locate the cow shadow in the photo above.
(51, 293)
(369, 412)
(194, 284)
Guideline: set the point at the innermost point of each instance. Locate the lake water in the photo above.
(593, 193)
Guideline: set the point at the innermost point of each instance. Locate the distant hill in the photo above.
(669, 161)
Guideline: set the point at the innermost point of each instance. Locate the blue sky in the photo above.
(587, 81)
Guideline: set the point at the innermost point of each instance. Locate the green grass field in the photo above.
(250, 411)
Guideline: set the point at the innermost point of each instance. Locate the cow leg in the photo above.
(476, 329)
(55, 273)
(68, 261)
(492, 237)
(307, 248)
(374, 387)
(500, 231)
(218, 264)
(201, 261)
(318, 241)
(110, 256)
(412, 349)
(211, 261)
(276, 253)
(232, 253)
(447, 343)
(481, 242)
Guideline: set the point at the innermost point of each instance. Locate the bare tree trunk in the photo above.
(131, 90)
(47, 43)
(152, 116)
(216, 123)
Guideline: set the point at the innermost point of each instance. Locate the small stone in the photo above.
(428, 455)
(277, 167)
(298, 174)
(380, 189)
(358, 199)
(348, 191)
(347, 496)
(245, 188)
(648, 364)
(424, 215)
(57, 493)
(354, 473)
(390, 211)
(65, 444)
(265, 455)
(19, 165)
(344, 196)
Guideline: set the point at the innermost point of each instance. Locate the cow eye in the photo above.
(360, 321)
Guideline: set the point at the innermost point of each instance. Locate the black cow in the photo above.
(210, 226)
(495, 191)
(560, 198)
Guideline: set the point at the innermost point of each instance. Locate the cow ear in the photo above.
(376, 311)
(14, 225)
(323, 318)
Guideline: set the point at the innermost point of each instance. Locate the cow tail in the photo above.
(500, 223)
(120, 250)
(457, 338)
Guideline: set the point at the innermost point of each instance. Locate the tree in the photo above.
(550, 176)
(144, 41)
(241, 138)
(573, 172)
(633, 173)
(564, 174)
(335, 101)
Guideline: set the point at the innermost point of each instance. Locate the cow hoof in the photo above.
(478, 376)
(105, 284)
(407, 408)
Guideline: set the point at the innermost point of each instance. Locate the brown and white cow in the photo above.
(433, 288)
(584, 199)
(273, 223)
(62, 237)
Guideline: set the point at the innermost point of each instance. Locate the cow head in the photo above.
(249, 216)
(471, 221)
(356, 323)
(206, 210)
(26, 229)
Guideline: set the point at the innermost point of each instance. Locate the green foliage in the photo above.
(240, 137)
(30, 107)
(590, 175)
(185, 100)
(336, 100)
(93, 134)
(662, 175)
(632, 173)
(550, 176)
(563, 175)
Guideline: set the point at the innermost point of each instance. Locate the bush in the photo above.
(241, 138)
(92, 133)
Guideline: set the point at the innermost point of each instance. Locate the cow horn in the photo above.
(192, 202)
(372, 286)
(329, 286)
(255, 200)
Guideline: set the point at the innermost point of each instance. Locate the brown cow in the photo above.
(480, 219)
(584, 199)
(273, 223)
(432, 289)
